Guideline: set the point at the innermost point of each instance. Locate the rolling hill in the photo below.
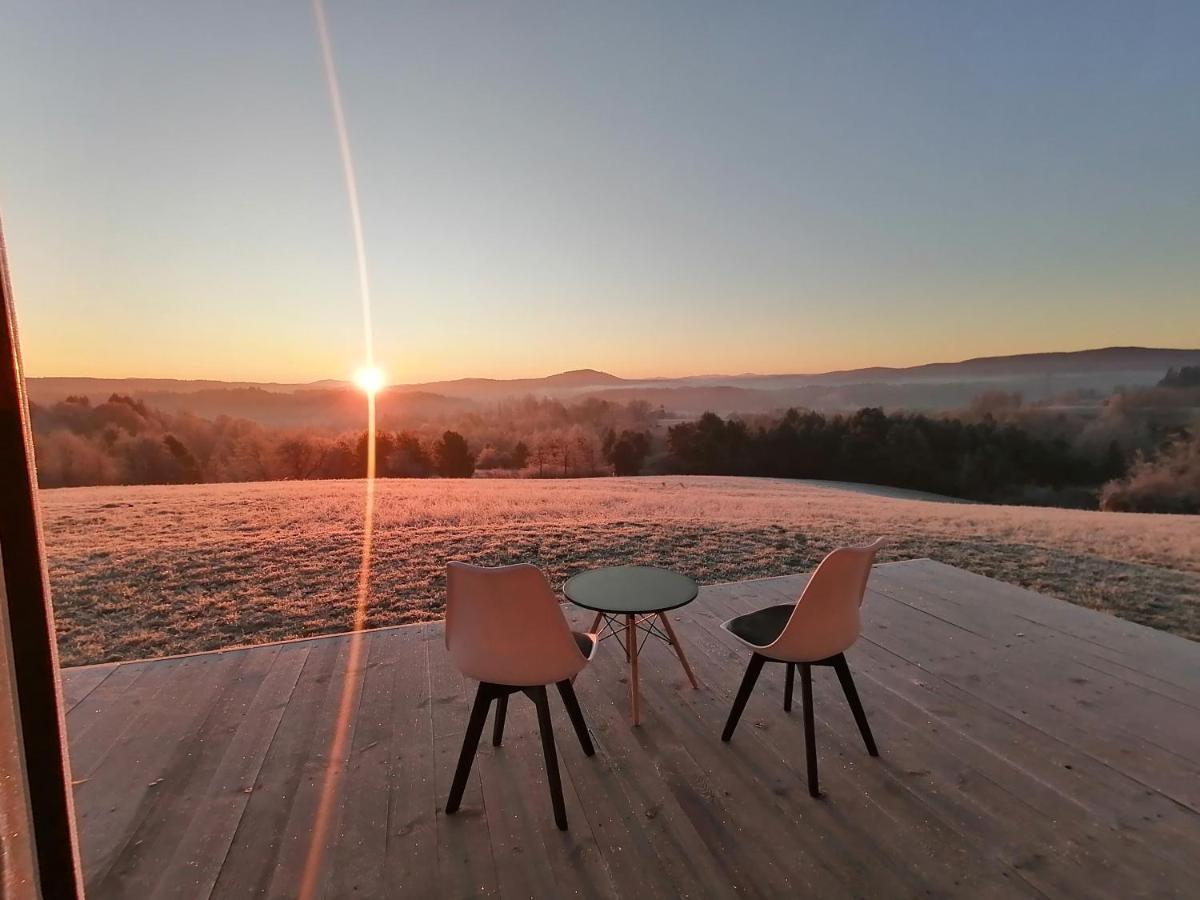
(931, 386)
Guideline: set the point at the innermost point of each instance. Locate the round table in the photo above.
(629, 600)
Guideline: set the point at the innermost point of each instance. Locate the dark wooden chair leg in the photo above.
(483, 699)
(743, 694)
(498, 725)
(566, 690)
(788, 684)
(546, 727)
(810, 738)
(843, 673)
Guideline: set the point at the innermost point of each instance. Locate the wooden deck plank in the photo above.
(1155, 807)
(923, 835)
(1029, 748)
(755, 792)
(127, 782)
(199, 855)
(1071, 793)
(998, 609)
(78, 683)
(320, 764)
(1024, 680)
(412, 797)
(531, 854)
(361, 826)
(689, 802)
(990, 611)
(263, 830)
(1167, 656)
(162, 834)
(680, 837)
(1001, 812)
(641, 855)
(517, 802)
(464, 861)
(99, 720)
(937, 824)
(1035, 684)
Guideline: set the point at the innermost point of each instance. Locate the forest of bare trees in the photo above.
(1135, 450)
(123, 441)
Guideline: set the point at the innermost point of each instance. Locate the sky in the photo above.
(649, 189)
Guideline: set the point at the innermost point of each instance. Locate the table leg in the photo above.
(632, 650)
(595, 623)
(678, 648)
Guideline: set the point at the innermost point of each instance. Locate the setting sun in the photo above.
(369, 379)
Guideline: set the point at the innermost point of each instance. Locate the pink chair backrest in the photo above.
(504, 625)
(826, 619)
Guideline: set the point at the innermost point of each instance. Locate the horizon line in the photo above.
(603, 372)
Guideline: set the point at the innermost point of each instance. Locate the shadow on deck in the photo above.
(1028, 747)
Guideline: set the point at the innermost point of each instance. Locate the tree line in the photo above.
(1135, 451)
(982, 460)
(123, 441)
(1183, 377)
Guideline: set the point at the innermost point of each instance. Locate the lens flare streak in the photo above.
(343, 136)
(311, 879)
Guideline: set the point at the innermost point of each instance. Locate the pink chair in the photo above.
(814, 631)
(506, 630)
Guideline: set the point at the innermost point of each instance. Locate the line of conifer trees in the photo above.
(983, 460)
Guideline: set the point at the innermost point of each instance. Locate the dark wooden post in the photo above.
(30, 654)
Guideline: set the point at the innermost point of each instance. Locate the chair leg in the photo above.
(479, 711)
(538, 696)
(743, 694)
(789, 683)
(810, 738)
(843, 673)
(566, 690)
(498, 725)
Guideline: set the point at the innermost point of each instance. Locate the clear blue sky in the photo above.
(661, 188)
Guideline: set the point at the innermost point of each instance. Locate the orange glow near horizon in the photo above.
(700, 228)
(428, 359)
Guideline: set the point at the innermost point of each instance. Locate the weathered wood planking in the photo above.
(1029, 747)
(83, 681)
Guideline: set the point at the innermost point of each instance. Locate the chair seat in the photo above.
(762, 626)
(586, 643)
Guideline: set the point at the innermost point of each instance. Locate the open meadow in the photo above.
(150, 571)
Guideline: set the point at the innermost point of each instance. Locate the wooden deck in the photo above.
(1029, 747)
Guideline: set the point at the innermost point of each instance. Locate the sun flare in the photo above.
(369, 379)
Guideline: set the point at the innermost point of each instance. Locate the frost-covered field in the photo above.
(147, 571)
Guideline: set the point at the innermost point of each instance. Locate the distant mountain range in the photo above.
(929, 386)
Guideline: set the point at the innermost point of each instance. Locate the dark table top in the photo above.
(630, 589)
